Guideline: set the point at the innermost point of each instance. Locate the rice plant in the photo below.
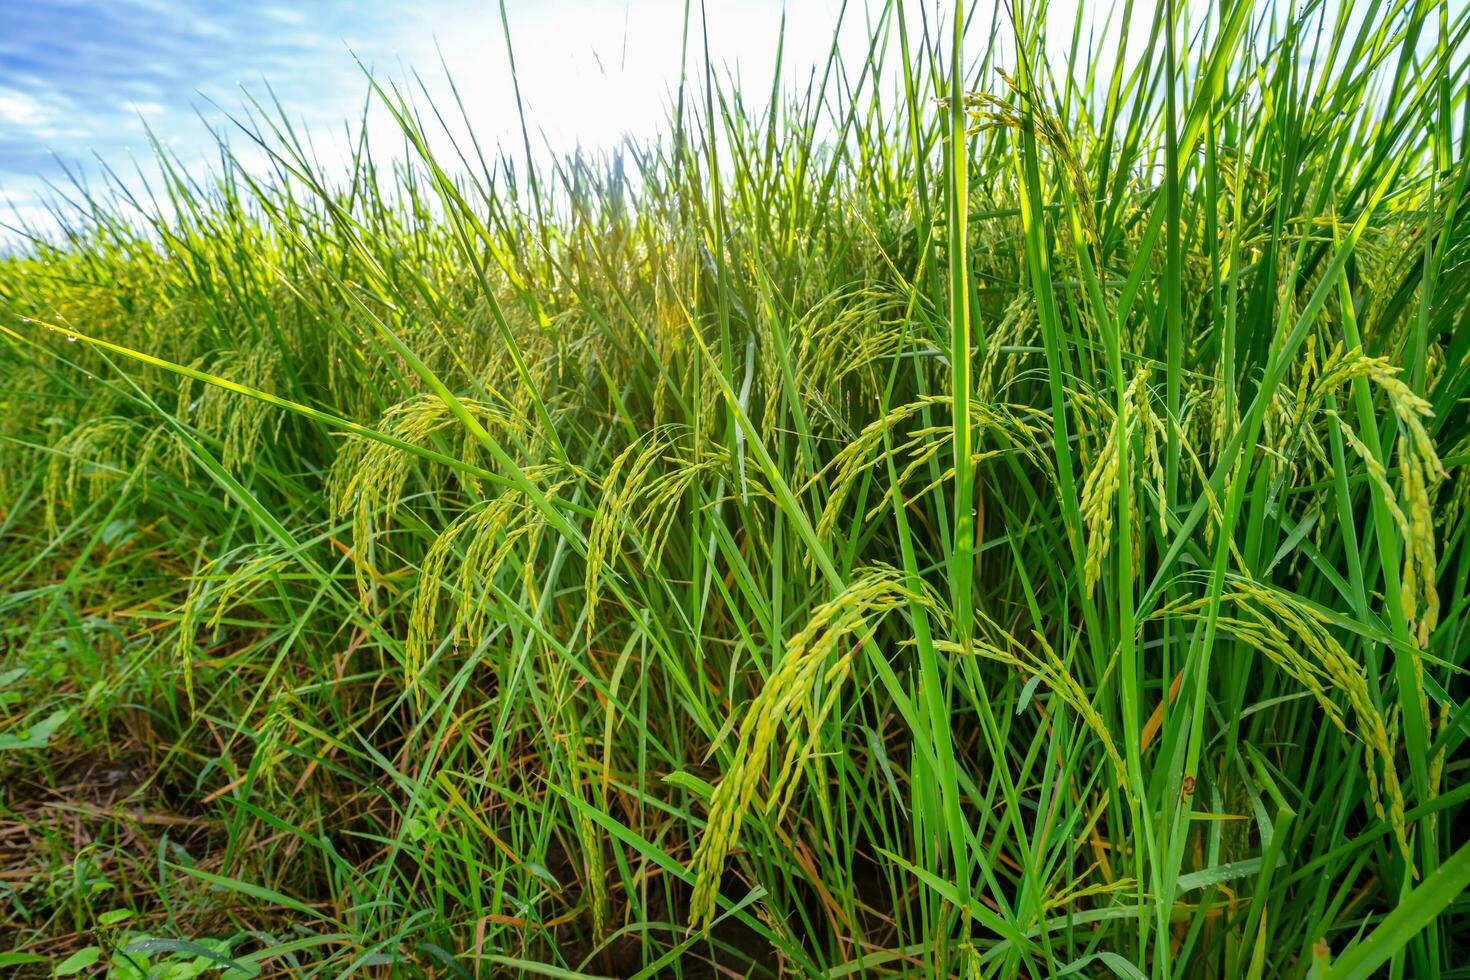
(999, 509)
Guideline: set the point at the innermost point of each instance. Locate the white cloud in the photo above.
(284, 15)
(24, 110)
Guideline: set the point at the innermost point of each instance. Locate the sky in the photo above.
(83, 81)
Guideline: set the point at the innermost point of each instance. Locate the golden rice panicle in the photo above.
(1417, 575)
(991, 112)
(485, 536)
(1008, 423)
(837, 627)
(994, 642)
(1019, 326)
(94, 453)
(841, 337)
(1396, 806)
(367, 478)
(239, 423)
(1436, 763)
(624, 482)
(847, 466)
(642, 488)
(596, 871)
(1297, 638)
(254, 568)
(1099, 489)
(1420, 473)
(487, 521)
(1100, 486)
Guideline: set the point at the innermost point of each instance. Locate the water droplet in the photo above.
(71, 338)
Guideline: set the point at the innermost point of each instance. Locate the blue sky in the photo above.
(80, 79)
(83, 80)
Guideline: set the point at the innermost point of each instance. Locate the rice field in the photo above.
(998, 509)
